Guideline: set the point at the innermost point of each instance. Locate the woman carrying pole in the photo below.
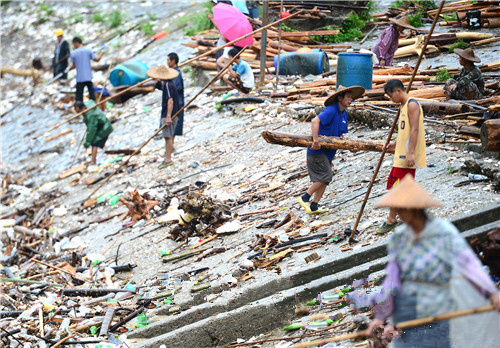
(427, 260)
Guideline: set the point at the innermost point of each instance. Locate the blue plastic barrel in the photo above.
(312, 63)
(128, 73)
(355, 69)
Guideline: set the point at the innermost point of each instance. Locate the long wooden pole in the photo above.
(180, 65)
(404, 325)
(263, 43)
(279, 49)
(215, 78)
(382, 155)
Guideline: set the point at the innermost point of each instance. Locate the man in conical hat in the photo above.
(331, 122)
(469, 85)
(169, 107)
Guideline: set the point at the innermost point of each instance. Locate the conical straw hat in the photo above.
(402, 21)
(407, 194)
(357, 91)
(467, 54)
(162, 73)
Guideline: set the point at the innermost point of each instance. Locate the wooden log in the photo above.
(443, 108)
(299, 34)
(298, 140)
(494, 99)
(72, 171)
(492, 23)
(427, 93)
(120, 151)
(91, 292)
(415, 49)
(470, 130)
(66, 131)
(490, 135)
(21, 72)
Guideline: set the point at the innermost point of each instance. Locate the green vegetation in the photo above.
(449, 18)
(189, 71)
(218, 106)
(443, 75)
(44, 12)
(4, 2)
(399, 4)
(115, 19)
(416, 19)
(98, 17)
(74, 18)
(286, 28)
(152, 16)
(459, 44)
(147, 28)
(197, 22)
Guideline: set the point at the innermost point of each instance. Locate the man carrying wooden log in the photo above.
(387, 43)
(98, 127)
(332, 121)
(469, 85)
(409, 147)
(241, 75)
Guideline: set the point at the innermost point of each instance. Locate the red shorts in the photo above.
(398, 174)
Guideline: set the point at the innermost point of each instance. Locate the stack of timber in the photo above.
(313, 9)
(490, 13)
(290, 42)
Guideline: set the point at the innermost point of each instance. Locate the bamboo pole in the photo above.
(215, 78)
(382, 155)
(404, 325)
(279, 49)
(263, 43)
(180, 65)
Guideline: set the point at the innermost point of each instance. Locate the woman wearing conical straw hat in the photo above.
(469, 85)
(426, 257)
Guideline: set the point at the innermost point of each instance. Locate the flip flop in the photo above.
(304, 205)
(319, 211)
(165, 164)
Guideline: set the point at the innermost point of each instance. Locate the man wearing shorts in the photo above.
(98, 127)
(241, 75)
(169, 107)
(331, 122)
(409, 147)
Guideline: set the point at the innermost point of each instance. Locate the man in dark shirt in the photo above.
(61, 55)
(169, 107)
(172, 61)
(469, 85)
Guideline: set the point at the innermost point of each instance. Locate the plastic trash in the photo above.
(318, 325)
(116, 159)
(295, 326)
(477, 177)
(329, 298)
(311, 303)
(114, 200)
(142, 320)
(93, 330)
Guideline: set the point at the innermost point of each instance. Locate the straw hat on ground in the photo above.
(162, 73)
(467, 54)
(407, 195)
(357, 91)
(402, 21)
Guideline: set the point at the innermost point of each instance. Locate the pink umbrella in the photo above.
(232, 24)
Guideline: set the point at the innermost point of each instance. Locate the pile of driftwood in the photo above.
(488, 16)
(290, 42)
(313, 9)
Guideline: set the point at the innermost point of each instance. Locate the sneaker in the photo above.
(319, 211)
(165, 164)
(387, 227)
(305, 205)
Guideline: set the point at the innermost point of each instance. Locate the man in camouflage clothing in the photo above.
(469, 85)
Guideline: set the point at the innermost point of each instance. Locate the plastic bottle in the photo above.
(114, 200)
(477, 177)
(329, 298)
(318, 325)
(294, 326)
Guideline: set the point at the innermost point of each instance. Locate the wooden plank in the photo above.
(286, 34)
(66, 131)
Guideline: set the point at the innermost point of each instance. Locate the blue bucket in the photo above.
(312, 63)
(355, 69)
(128, 74)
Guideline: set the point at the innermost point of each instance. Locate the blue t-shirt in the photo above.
(81, 57)
(333, 124)
(246, 73)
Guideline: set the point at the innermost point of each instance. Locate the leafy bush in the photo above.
(74, 18)
(459, 44)
(115, 19)
(449, 18)
(399, 4)
(199, 21)
(286, 28)
(416, 19)
(98, 16)
(147, 28)
(443, 75)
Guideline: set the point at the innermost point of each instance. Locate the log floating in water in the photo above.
(490, 135)
(298, 140)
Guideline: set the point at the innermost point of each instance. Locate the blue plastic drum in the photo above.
(355, 69)
(128, 73)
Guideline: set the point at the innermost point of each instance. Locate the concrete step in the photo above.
(305, 283)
